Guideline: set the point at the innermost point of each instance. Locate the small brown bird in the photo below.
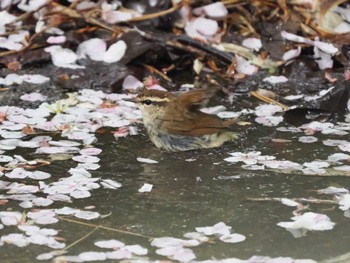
(175, 122)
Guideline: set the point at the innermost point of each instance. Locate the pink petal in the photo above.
(94, 48)
(113, 244)
(90, 151)
(87, 215)
(232, 238)
(35, 96)
(131, 83)
(290, 54)
(276, 79)
(252, 43)
(56, 40)
(146, 188)
(115, 52)
(244, 66)
(206, 27)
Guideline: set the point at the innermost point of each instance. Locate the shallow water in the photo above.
(197, 188)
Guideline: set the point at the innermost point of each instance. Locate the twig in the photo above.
(155, 15)
(157, 71)
(305, 200)
(268, 100)
(104, 227)
(230, 2)
(178, 45)
(185, 40)
(82, 238)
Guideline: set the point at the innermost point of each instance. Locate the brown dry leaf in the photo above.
(60, 239)
(32, 166)
(240, 76)
(14, 65)
(108, 104)
(102, 131)
(213, 66)
(283, 5)
(28, 130)
(328, 77)
(3, 115)
(63, 77)
(3, 202)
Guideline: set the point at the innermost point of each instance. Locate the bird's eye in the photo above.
(147, 102)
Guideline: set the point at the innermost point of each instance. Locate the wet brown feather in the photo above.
(185, 117)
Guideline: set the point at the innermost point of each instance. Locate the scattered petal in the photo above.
(90, 151)
(35, 96)
(218, 229)
(269, 120)
(39, 175)
(86, 159)
(276, 79)
(289, 202)
(146, 188)
(232, 238)
(307, 139)
(94, 48)
(63, 57)
(316, 164)
(93, 256)
(136, 249)
(344, 202)
(342, 168)
(252, 43)
(18, 240)
(267, 110)
(110, 184)
(18, 173)
(115, 52)
(87, 215)
(131, 83)
(244, 66)
(56, 40)
(336, 157)
(214, 10)
(308, 221)
(331, 190)
(146, 160)
(290, 54)
(113, 244)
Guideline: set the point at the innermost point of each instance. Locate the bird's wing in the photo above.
(196, 125)
(195, 100)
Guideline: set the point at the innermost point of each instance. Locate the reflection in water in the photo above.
(198, 188)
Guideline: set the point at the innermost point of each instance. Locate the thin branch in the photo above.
(82, 238)
(158, 72)
(155, 15)
(304, 200)
(268, 100)
(104, 227)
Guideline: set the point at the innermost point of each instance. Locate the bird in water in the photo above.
(175, 122)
